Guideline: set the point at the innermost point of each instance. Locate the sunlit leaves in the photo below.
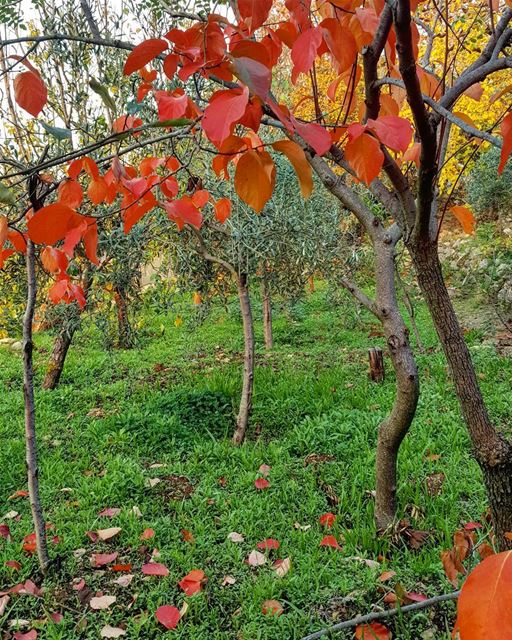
(254, 12)
(365, 157)
(297, 158)
(304, 51)
(143, 53)
(394, 132)
(254, 178)
(506, 133)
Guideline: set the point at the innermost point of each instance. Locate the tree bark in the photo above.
(64, 339)
(267, 314)
(492, 451)
(377, 370)
(125, 339)
(248, 375)
(30, 424)
(394, 428)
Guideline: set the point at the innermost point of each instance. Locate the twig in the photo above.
(329, 631)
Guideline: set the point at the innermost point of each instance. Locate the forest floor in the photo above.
(145, 433)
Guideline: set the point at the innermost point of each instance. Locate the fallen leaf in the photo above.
(235, 537)
(155, 569)
(187, 536)
(386, 575)
(56, 617)
(484, 550)
(411, 596)
(4, 601)
(124, 581)
(269, 543)
(330, 541)
(154, 481)
(78, 586)
(10, 515)
(102, 602)
(18, 494)
(373, 631)
(261, 483)
(137, 512)
(192, 582)
(272, 607)
(121, 567)
(472, 526)
(327, 520)
(5, 532)
(228, 580)
(449, 567)
(108, 534)
(112, 632)
(168, 616)
(13, 564)
(302, 527)
(101, 559)
(30, 635)
(256, 559)
(111, 512)
(282, 567)
(264, 470)
(147, 534)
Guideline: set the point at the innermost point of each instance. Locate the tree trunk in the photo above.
(30, 425)
(125, 337)
(377, 370)
(248, 376)
(267, 314)
(58, 357)
(394, 428)
(492, 451)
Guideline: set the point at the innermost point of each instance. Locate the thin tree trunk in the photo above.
(64, 339)
(125, 340)
(248, 376)
(267, 314)
(492, 451)
(30, 425)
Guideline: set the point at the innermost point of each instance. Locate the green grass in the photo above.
(172, 401)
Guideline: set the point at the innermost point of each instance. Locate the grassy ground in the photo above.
(171, 402)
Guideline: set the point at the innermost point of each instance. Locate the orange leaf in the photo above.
(484, 609)
(465, 217)
(50, 224)
(254, 178)
(97, 191)
(297, 157)
(506, 149)
(222, 209)
(3, 231)
(365, 157)
(144, 53)
(330, 541)
(183, 212)
(272, 607)
(449, 567)
(327, 520)
(30, 92)
(394, 132)
(70, 193)
(373, 631)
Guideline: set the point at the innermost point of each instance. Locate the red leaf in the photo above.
(171, 105)
(51, 224)
(484, 608)
(70, 193)
(261, 483)
(272, 607)
(30, 92)
(170, 65)
(330, 541)
(168, 616)
(304, 51)
(222, 209)
(269, 543)
(315, 135)
(147, 534)
(121, 567)
(471, 526)
(254, 12)
(254, 178)
(5, 532)
(143, 53)
(506, 149)
(30, 635)
(101, 559)
(184, 212)
(254, 75)
(155, 569)
(394, 132)
(13, 564)
(373, 631)
(365, 157)
(192, 582)
(123, 123)
(327, 520)
(225, 108)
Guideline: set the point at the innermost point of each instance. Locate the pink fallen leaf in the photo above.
(155, 569)
(30, 635)
(415, 597)
(101, 559)
(30, 588)
(471, 526)
(269, 543)
(56, 617)
(102, 602)
(272, 607)
(147, 534)
(330, 541)
(192, 582)
(111, 512)
(112, 632)
(264, 470)
(327, 520)
(78, 586)
(124, 581)
(92, 535)
(235, 537)
(168, 616)
(261, 483)
(13, 564)
(282, 567)
(108, 534)
(256, 559)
